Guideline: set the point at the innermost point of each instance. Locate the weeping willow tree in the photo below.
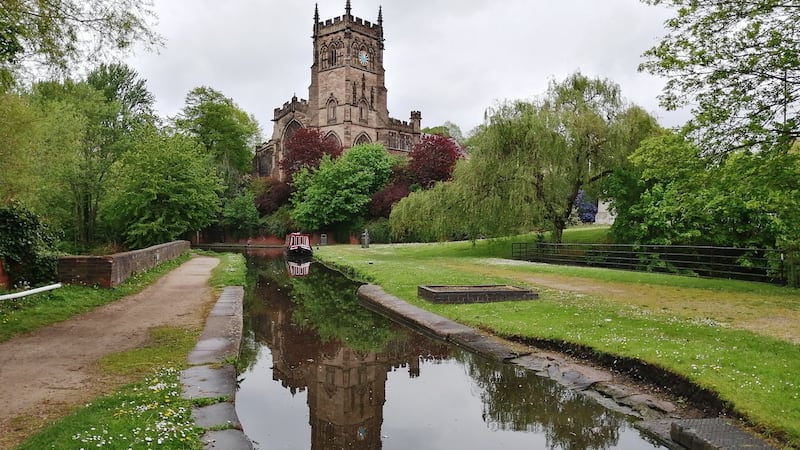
(528, 164)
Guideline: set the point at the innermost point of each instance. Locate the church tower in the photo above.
(347, 94)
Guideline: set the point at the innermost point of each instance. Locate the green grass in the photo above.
(678, 323)
(165, 347)
(147, 414)
(231, 270)
(30, 313)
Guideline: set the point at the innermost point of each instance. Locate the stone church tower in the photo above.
(347, 95)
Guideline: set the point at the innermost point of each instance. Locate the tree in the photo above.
(58, 34)
(433, 159)
(737, 63)
(271, 194)
(92, 124)
(240, 215)
(535, 158)
(528, 164)
(336, 194)
(447, 129)
(674, 194)
(164, 189)
(227, 132)
(305, 149)
(18, 141)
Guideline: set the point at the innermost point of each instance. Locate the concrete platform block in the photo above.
(714, 434)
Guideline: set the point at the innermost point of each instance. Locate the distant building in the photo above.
(347, 95)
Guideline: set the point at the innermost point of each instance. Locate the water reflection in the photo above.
(367, 383)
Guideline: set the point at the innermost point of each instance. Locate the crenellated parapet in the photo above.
(295, 104)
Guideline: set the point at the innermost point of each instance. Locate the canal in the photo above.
(324, 373)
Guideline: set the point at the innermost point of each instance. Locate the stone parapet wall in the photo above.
(110, 270)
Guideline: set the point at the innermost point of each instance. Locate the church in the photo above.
(347, 95)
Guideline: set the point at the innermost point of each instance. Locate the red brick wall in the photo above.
(111, 270)
(5, 282)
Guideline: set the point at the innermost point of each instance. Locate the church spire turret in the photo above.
(316, 19)
(380, 26)
(347, 8)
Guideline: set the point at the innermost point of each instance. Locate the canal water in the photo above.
(322, 372)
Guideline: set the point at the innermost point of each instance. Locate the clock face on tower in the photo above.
(363, 58)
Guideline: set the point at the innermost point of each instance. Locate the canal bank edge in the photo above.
(211, 377)
(660, 418)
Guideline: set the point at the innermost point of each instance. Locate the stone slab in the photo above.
(209, 382)
(217, 415)
(714, 434)
(226, 440)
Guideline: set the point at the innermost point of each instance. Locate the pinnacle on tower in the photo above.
(347, 8)
(380, 15)
(316, 12)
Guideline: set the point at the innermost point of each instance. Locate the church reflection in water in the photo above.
(340, 355)
(345, 387)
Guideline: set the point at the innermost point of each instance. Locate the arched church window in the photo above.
(290, 130)
(324, 57)
(332, 57)
(332, 137)
(331, 110)
(362, 138)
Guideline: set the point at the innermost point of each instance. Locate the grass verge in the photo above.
(147, 414)
(695, 328)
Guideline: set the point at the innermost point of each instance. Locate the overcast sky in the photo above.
(450, 59)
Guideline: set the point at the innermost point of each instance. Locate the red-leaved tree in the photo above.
(433, 159)
(305, 150)
(399, 186)
(275, 194)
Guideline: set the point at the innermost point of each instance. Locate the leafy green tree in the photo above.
(91, 124)
(60, 34)
(227, 132)
(240, 214)
(18, 141)
(529, 163)
(165, 188)
(737, 64)
(447, 129)
(674, 194)
(336, 195)
(535, 158)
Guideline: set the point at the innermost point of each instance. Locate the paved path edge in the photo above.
(212, 375)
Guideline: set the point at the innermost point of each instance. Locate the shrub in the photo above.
(26, 246)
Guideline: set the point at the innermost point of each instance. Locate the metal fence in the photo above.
(766, 265)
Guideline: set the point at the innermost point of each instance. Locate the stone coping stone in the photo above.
(226, 440)
(218, 415)
(209, 382)
(474, 294)
(714, 434)
(211, 378)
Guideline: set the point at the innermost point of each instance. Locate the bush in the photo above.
(379, 231)
(279, 223)
(26, 246)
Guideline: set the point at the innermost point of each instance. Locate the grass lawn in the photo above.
(738, 339)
